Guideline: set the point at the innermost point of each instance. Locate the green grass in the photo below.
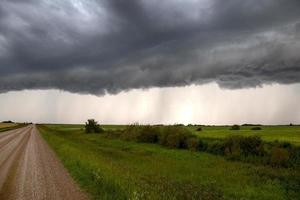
(115, 169)
(268, 133)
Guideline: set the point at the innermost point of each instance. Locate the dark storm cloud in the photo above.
(114, 45)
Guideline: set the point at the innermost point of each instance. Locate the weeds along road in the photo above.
(29, 169)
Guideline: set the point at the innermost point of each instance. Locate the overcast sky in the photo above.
(151, 61)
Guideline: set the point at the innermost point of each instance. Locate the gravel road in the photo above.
(30, 170)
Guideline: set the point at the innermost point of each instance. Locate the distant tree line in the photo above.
(7, 122)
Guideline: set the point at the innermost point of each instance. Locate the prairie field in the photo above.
(268, 133)
(112, 168)
(6, 125)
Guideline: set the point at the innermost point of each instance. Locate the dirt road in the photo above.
(29, 169)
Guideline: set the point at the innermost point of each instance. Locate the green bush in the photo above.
(91, 126)
(174, 136)
(148, 134)
(235, 127)
(216, 147)
(202, 145)
(251, 145)
(199, 129)
(177, 140)
(294, 156)
(285, 145)
(232, 147)
(131, 132)
(238, 145)
(193, 144)
(279, 157)
(256, 128)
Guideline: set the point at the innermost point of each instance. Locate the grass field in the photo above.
(268, 133)
(115, 169)
(6, 125)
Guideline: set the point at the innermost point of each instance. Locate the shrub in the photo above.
(236, 146)
(131, 132)
(295, 156)
(285, 145)
(261, 150)
(148, 134)
(251, 145)
(140, 133)
(165, 131)
(256, 128)
(235, 127)
(91, 126)
(279, 157)
(174, 136)
(202, 145)
(177, 140)
(216, 147)
(199, 129)
(193, 143)
(232, 146)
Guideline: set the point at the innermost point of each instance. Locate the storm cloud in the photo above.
(107, 46)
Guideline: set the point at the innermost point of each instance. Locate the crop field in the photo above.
(9, 126)
(111, 168)
(268, 133)
(6, 125)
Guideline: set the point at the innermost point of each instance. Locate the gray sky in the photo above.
(96, 49)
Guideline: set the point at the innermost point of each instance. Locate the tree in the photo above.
(92, 126)
(235, 127)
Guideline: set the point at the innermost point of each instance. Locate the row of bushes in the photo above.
(250, 148)
(170, 136)
(253, 149)
(236, 127)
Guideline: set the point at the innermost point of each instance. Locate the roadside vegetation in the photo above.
(91, 126)
(235, 147)
(9, 125)
(175, 162)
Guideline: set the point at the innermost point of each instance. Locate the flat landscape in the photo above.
(107, 167)
(285, 133)
(149, 100)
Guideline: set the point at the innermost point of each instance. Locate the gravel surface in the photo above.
(30, 170)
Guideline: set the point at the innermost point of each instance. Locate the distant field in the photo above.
(66, 127)
(268, 133)
(116, 169)
(9, 126)
(6, 125)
